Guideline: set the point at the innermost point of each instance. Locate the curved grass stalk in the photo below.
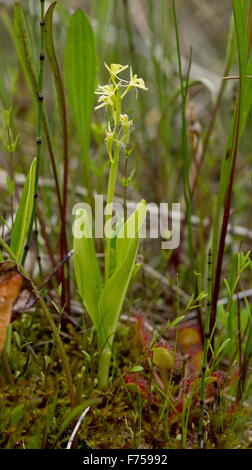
(185, 149)
(216, 107)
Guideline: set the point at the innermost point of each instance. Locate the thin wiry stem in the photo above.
(234, 77)
(216, 106)
(206, 346)
(185, 149)
(225, 221)
(40, 98)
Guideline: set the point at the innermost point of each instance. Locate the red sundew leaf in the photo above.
(144, 337)
(188, 383)
(220, 376)
(166, 356)
(138, 383)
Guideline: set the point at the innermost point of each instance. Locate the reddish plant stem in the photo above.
(208, 135)
(53, 163)
(226, 215)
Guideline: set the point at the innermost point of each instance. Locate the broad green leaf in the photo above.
(24, 213)
(113, 296)
(80, 74)
(86, 268)
(131, 229)
(115, 290)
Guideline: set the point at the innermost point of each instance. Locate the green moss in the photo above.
(32, 411)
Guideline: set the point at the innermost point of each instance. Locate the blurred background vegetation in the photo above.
(141, 33)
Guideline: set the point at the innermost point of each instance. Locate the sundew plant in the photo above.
(123, 124)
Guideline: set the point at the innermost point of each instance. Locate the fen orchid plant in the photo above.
(103, 295)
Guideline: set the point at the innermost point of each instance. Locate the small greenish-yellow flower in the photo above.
(134, 82)
(106, 93)
(124, 119)
(109, 141)
(126, 124)
(115, 69)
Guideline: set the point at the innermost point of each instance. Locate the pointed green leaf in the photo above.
(24, 213)
(222, 347)
(86, 268)
(130, 230)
